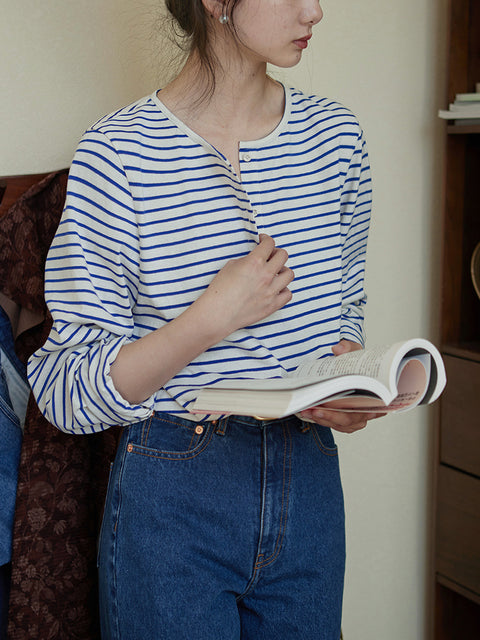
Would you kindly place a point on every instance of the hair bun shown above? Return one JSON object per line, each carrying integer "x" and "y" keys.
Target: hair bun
{"x": 182, "y": 11}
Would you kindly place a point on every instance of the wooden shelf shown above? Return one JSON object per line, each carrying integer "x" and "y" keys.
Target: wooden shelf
{"x": 454, "y": 586}
{"x": 458, "y": 530}
{"x": 467, "y": 350}
{"x": 463, "y": 128}
{"x": 457, "y": 470}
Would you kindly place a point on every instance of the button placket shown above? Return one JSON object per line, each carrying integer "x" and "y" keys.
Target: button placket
{"x": 255, "y": 210}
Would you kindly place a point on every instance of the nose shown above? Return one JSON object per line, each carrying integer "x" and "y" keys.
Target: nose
{"x": 313, "y": 13}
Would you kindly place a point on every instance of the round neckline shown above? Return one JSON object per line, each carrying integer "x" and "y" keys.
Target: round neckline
{"x": 242, "y": 143}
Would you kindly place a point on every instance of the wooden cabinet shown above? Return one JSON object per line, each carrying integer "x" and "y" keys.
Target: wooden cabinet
{"x": 460, "y": 420}
{"x": 457, "y": 534}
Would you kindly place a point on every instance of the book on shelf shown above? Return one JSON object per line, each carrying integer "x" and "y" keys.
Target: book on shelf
{"x": 460, "y": 114}
{"x": 465, "y": 107}
{"x": 385, "y": 379}
{"x": 464, "y": 122}
{"x": 468, "y": 97}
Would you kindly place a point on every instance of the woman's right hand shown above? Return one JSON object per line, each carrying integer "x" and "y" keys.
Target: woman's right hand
{"x": 245, "y": 291}
{"x": 251, "y": 288}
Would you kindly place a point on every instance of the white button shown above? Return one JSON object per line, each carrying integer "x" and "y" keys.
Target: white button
{"x": 247, "y": 157}
{"x": 255, "y": 213}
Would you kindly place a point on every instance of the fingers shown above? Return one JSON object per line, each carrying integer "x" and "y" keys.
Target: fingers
{"x": 344, "y": 346}
{"x": 342, "y": 421}
{"x": 267, "y": 252}
{"x": 275, "y": 259}
{"x": 283, "y": 279}
{"x": 265, "y": 247}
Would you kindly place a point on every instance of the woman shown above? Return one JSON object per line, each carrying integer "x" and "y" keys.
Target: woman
{"x": 168, "y": 272}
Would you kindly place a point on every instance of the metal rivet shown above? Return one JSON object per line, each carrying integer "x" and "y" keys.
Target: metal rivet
{"x": 199, "y": 430}
{"x": 130, "y": 448}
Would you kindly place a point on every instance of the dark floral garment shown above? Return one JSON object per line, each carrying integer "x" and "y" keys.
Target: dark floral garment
{"x": 62, "y": 478}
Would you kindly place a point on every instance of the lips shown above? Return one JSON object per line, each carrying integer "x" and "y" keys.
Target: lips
{"x": 302, "y": 43}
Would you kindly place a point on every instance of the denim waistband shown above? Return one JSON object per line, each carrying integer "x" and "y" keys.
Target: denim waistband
{"x": 258, "y": 422}
{"x": 221, "y": 424}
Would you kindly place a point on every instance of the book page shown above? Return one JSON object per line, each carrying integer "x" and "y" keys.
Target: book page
{"x": 412, "y": 383}
{"x": 367, "y": 363}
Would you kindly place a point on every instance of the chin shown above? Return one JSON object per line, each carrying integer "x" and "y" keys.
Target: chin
{"x": 287, "y": 61}
{"x": 287, "y": 64}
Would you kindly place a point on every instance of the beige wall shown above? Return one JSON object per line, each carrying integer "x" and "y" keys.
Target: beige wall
{"x": 385, "y": 60}
{"x": 64, "y": 64}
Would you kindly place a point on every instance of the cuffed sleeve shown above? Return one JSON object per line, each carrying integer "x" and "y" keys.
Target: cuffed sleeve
{"x": 356, "y": 202}
{"x": 91, "y": 282}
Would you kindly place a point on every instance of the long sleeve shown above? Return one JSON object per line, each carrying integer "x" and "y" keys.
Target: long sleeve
{"x": 91, "y": 280}
{"x": 355, "y": 208}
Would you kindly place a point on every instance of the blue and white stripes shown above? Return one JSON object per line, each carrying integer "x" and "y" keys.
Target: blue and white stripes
{"x": 153, "y": 212}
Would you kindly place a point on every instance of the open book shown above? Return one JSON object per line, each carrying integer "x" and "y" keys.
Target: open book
{"x": 384, "y": 379}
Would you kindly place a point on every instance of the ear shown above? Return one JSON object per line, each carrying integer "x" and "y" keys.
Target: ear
{"x": 215, "y": 8}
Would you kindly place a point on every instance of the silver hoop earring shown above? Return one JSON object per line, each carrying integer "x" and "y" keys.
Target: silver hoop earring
{"x": 223, "y": 19}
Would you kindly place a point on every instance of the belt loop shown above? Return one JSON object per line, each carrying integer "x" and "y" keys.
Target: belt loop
{"x": 146, "y": 429}
{"x": 304, "y": 426}
{"x": 221, "y": 426}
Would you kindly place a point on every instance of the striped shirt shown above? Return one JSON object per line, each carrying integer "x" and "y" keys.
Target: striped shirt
{"x": 153, "y": 212}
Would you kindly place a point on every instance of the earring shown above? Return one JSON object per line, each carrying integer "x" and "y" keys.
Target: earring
{"x": 223, "y": 19}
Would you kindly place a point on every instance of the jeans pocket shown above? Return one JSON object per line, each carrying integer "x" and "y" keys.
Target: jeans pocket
{"x": 171, "y": 438}
{"x": 324, "y": 439}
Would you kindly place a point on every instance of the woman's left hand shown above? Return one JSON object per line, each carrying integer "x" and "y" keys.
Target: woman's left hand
{"x": 346, "y": 422}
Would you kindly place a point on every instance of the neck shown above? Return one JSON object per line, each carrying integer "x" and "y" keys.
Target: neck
{"x": 236, "y": 91}
{"x": 245, "y": 104}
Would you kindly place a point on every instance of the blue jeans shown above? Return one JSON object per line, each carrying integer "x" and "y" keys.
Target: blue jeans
{"x": 14, "y": 392}
{"x": 223, "y": 530}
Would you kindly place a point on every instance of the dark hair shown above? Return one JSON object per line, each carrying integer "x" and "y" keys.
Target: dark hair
{"x": 193, "y": 20}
